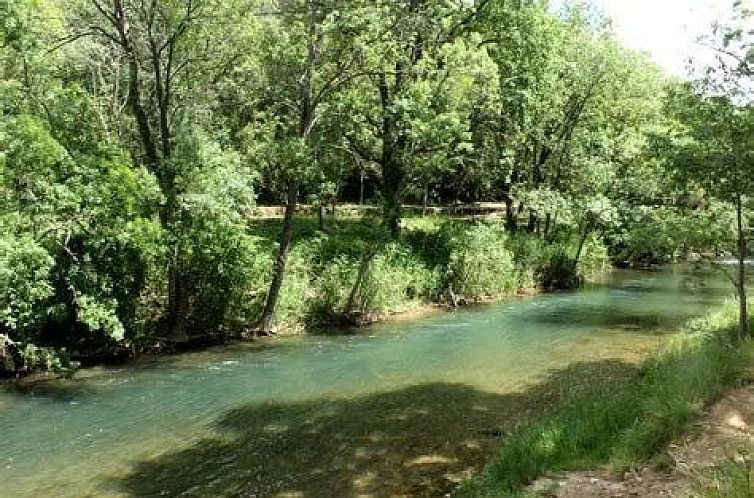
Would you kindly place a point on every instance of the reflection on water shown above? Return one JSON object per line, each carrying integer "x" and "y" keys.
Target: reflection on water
{"x": 407, "y": 406}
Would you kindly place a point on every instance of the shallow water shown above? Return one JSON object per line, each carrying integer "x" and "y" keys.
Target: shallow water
{"x": 399, "y": 407}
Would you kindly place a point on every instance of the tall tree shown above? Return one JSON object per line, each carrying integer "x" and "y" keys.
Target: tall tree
{"x": 718, "y": 113}
{"x": 308, "y": 57}
{"x": 715, "y": 150}
{"x": 171, "y": 52}
{"x": 407, "y": 108}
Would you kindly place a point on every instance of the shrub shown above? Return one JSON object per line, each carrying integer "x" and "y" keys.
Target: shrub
{"x": 528, "y": 254}
{"x": 396, "y": 279}
{"x": 74, "y": 248}
{"x": 24, "y": 285}
{"x": 333, "y": 286}
{"x": 558, "y": 270}
{"x": 480, "y": 265}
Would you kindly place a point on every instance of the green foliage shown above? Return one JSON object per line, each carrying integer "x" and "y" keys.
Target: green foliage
{"x": 38, "y": 359}
{"x": 662, "y": 235}
{"x": 476, "y": 260}
{"x": 558, "y": 269}
{"x": 333, "y": 286}
{"x": 24, "y": 281}
{"x": 396, "y": 278}
{"x": 127, "y": 190}
{"x": 77, "y": 244}
{"x": 216, "y": 251}
{"x": 595, "y": 259}
{"x": 480, "y": 265}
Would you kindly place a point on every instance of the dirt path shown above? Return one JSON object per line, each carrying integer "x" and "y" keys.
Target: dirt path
{"x": 727, "y": 427}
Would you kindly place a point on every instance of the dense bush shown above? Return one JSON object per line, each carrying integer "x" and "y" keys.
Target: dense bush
{"x": 218, "y": 256}
{"x": 396, "y": 278}
{"x": 24, "y": 285}
{"x": 480, "y": 264}
{"x": 661, "y": 235}
{"x": 474, "y": 260}
{"x": 110, "y": 281}
{"x": 77, "y": 240}
{"x": 558, "y": 269}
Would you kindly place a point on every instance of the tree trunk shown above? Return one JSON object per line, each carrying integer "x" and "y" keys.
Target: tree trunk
{"x": 361, "y": 188}
{"x": 321, "y": 217}
{"x": 392, "y": 183}
{"x": 266, "y": 321}
{"x": 366, "y": 259}
{"x": 548, "y": 221}
{"x": 532, "y": 226}
{"x": 743, "y": 315}
{"x": 580, "y": 249}
{"x": 551, "y": 232}
{"x": 510, "y": 215}
{"x": 178, "y": 304}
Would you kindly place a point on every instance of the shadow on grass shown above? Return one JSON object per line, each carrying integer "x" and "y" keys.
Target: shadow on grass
{"x": 418, "y": 441}
{"x": 306, "y": 228}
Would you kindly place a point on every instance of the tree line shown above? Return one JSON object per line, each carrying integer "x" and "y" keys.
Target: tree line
{"x": 136, "y": 137}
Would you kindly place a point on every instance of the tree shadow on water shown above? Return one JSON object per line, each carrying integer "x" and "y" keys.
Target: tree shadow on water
{"x": 633, "y": 320}
{"x": 416, "y": 441}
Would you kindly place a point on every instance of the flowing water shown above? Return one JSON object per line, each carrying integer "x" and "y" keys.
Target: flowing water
{"x": 402, "y": 408}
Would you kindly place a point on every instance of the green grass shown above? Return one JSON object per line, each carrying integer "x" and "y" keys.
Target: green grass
{"x": 626, "y": 423}
{"x": 735, "y": 479}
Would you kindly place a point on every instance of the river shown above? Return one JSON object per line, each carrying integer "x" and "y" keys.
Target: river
{"x": 405, "y": 408}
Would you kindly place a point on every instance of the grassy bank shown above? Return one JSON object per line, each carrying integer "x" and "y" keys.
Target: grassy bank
{"x": 436, "y": 260}
{"x": 344, "y": 274}
{"x": 626, "y": 423}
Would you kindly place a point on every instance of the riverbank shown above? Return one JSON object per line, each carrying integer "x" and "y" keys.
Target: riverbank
{"x": 409, "y": 408}
{"x": 343, "y": 277}
{"x": 623, "y": 430}
{"x": 713, "y": 460}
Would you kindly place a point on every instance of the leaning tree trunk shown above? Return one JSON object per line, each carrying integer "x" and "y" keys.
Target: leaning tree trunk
{"x": 266, "y": 321}
{"x": 582, "y": 242}
{"x": 743, "y": 315}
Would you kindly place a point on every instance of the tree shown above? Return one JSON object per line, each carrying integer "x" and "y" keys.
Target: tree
{"x": 172, "y": 55}
{"x": 308, "y": 57}
{"x": 716, "y": 151}
{"x": 717, "y": 141}
{"x": 417, "y": 95}
{"x": 76, "y": 231}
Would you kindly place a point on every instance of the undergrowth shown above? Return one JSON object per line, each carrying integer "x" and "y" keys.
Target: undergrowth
{"x": 434, "y": 260}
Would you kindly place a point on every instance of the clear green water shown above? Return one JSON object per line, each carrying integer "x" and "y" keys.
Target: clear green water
{"x": 403, "y": 408}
